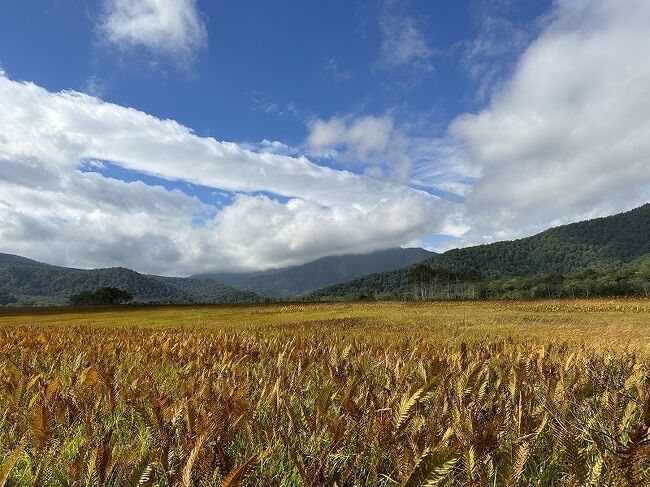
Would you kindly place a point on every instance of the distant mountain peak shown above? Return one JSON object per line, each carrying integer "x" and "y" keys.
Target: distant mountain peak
{"x": 296, "y": 280}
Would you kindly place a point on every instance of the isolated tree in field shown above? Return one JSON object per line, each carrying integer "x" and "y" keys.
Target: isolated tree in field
{"x": 106, "y": 296}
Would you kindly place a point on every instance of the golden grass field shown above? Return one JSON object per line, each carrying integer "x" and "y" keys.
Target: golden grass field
{"x": 384, "y": 393}
{"x": 616, "y": 324}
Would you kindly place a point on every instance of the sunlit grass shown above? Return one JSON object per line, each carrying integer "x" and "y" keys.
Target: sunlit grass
{"x": 599, "y": 323}
{"x": 475, "y": 393}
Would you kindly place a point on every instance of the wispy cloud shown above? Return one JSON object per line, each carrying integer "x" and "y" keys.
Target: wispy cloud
{"x": 491, "y": 56}
{"x": 339, "y": 75}
{"x": 403, "y": 44}
{"x": 260, "y": 102}
{"x": 387, "y": 150}
{"x": 95, "y": 86}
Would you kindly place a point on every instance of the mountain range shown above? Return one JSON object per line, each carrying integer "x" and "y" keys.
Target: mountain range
{"x": 296, "y": 280}
{"x": 27, "y": 282}
{"x": 604, "y": 256}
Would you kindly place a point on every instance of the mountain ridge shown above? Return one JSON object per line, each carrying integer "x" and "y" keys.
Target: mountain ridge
{"x": 295, "y": 280}
{"x": 25, "y": 281}
{"x": 603, "y": 242}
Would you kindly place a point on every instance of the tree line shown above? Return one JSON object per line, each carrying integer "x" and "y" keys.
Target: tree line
{"x": 426, "y": 282}
{"x": 435, "y": 283}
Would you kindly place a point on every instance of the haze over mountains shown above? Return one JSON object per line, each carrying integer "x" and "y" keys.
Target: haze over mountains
{"x": 608, "y": 255}
{"x": 295, "y": 280}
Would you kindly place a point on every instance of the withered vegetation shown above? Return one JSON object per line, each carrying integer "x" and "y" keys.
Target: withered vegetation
{"x": 315, "y": 404}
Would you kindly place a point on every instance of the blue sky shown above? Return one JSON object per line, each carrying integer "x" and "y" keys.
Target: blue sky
{"x": 186, "y": 127}
{"x": 266, "y": 68}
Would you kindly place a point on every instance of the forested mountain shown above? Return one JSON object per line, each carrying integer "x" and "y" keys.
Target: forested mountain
{"x": 28, "y": 282}
{"x": 608, "y": 255}
{"x": 282, "y": 283}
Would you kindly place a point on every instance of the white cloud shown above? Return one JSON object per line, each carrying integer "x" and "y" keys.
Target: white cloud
{"x": 402, "y": 42}
{"x": 272, "y": 147}
{"x": 51, "y": 210}
{"x": 386, "y": 151}
{"x": 364, "y": 135}
{"x": 568, "y": 136}
{"x": 170, "y": 27}
{"x": 371, "y": 141}
{"x": 274, "y": 107}
{"x": 300, "y": 230}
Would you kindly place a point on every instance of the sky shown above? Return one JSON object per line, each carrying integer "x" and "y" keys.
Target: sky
{"x": 186, "y": 136}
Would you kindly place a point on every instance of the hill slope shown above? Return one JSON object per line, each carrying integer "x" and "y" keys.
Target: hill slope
{"x": 28, "y": 282}
{"x": 296, "y": 280}
{"x": 603, "y": 245}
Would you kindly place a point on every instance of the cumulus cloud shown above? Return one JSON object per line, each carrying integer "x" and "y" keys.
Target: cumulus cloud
{"x": 371, "y": 141}
{"x": 56, "y": 205}
{"x": 568, "y": 136}
{"x": 301, "y": 230}
{"x": 402, "y": 41}
{"x": 170, "y": 27}
{"x": 364, "y": 135}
